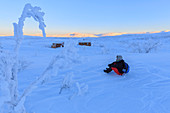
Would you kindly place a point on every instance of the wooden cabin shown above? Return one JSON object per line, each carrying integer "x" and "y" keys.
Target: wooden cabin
{"x": 85, "y": 43}
{"x": 57, "y": 45}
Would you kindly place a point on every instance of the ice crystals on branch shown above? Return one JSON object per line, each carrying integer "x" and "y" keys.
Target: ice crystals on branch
{"x": 29, "y": 11}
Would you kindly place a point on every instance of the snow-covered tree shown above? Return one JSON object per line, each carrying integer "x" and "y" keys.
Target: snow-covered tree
{"x": 11, "y": 102}
{"x": 28, "y": 12}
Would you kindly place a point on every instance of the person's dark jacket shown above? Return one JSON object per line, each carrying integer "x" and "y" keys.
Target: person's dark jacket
{"x": 120, "y": 65}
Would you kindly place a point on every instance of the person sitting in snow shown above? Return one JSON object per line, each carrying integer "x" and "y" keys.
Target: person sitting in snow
{"x": 119, "y": 66}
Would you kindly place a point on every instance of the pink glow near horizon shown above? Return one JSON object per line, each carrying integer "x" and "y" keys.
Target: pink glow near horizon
{"x": 86, "y": 34}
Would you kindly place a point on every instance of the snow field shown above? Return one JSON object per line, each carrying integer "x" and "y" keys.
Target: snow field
{"x": 77, "y": 83}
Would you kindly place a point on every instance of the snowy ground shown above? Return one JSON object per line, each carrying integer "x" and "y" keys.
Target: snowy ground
{"x": 77, "y": 84}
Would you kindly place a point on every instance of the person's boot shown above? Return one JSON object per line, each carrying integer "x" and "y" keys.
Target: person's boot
{"x": 107, "y": 70}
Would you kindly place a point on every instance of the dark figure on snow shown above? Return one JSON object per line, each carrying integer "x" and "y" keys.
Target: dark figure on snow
{"x": 119, "y": 66}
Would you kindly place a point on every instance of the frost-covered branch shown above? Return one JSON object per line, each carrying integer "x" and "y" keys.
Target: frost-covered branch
{"x": 145, "y": 46}
{"x": 10, "y": 64}
{"x": 28, "y": 12}
{"x": 40, "y": 79}
{"x": 67, "y": 82}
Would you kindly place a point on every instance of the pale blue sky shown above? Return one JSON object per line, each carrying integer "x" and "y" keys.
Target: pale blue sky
{"x": 89, "y": 16}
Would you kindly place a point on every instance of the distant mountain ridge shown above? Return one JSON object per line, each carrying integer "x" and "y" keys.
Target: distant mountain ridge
{"x": 76, "y": 34}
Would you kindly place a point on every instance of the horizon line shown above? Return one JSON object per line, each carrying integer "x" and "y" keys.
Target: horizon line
{"x": 77, "y": 34}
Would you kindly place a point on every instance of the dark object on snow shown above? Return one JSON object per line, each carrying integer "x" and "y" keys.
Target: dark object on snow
{"x": 119, "y": 66}
{"x": 85, "y": 43}
{"x": 56, "y": 45}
